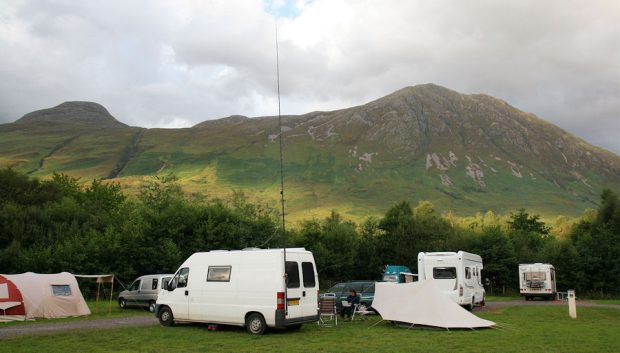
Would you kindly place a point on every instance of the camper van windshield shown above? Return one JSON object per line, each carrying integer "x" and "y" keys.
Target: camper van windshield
{"x": 535, "y": 276}
{"x": 444, "y": 272}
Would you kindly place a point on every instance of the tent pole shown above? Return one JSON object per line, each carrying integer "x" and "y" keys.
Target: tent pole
{"x": 97, "y": 300}
{"x": 111, "y": 292}
{"x": 376, "y": 323}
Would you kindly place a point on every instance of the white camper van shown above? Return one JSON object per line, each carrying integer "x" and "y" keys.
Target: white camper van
{"x": 457, "y": 274}
{"x": 537, "y": 280}
{"x": 243, "y": 287}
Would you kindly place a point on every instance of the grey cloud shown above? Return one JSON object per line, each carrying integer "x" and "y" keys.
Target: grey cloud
{"x": 162, "y": 63}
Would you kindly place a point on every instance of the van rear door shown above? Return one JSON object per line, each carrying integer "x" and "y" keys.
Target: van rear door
{"x": 309, "y": 296}
{"x": 294, "y": 286}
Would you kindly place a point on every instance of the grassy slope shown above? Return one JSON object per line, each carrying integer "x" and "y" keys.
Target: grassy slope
{"x": 521, "y": 329}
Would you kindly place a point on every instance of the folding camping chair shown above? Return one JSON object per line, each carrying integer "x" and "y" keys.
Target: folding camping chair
{"x": 360, "y": 311}
{"x": 328, "y": 315}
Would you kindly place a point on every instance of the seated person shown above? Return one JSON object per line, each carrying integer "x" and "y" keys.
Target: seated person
{"x": 352, "y": 299}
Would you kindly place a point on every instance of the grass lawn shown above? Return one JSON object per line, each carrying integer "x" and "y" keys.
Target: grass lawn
{"x": 493, "y": 298}
{"x": 520, "y": 329}
{"x": 97, "y": 312}
{"x": 604, "y": 301}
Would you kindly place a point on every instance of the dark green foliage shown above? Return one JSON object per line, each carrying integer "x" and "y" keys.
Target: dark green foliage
{"x": 62, "y": 225}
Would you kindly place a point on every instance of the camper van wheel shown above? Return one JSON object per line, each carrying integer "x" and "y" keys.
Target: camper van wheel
{"x": 152, "y": 306}
{"x": 165, "y": 316}
{"x": 255, "y": 324}
{"x": 122, "y": 303}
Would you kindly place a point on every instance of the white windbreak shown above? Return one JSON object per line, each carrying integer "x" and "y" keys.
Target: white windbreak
{"x": 422, "y": 303}
{"x": 40, "y": 299}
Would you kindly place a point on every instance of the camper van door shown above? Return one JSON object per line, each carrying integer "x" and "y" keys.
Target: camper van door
{"x": 310, "y": 283}
{"x": 177, "y": 296}
{"x": 294, "y": 287}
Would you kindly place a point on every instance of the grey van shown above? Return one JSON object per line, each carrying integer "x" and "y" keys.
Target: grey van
{"x": 143, "y": 291}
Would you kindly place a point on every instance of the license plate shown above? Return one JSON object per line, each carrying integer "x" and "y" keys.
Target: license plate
{"x": 294, "y": 301}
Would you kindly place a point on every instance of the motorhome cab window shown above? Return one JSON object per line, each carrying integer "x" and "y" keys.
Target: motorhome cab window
{"x": 292, "y": 273}
{"x": 154, "y": 285}
{"x": 180, "y": 279}
{"x": 218, "y": 274}
{"x": 61, "y": 290}
{"x": 467, "y": 272}
{"x": 444, "y": 272}
{"x": 307, "y": 270}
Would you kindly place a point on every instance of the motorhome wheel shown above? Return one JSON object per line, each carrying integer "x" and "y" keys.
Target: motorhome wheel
{"x": 165, "y": 317}
{"x": 255, "y": 324}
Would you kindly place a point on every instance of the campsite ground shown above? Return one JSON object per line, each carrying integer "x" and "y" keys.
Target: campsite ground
{"x": 521, "y": 328}
{"x": 98, "y": 311}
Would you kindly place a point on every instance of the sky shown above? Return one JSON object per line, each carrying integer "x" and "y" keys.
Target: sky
{"x": 161, "y": 63}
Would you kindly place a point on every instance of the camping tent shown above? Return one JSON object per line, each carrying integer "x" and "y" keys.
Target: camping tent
{"x": 32, "y": 295}
{"x": 422, "y": 303}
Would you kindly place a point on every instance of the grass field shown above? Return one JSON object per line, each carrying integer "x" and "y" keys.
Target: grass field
{"x": 605, "y": 301}
{"x": 520, "y": 329}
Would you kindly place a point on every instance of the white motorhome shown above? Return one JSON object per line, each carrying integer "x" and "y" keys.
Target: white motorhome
{"x": 537, "y": 280}
{"x": 457, "y": 274}
{"x": 243, "y": 287}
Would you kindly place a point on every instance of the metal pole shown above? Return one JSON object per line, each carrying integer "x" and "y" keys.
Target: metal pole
{"x": 281, "y": 170}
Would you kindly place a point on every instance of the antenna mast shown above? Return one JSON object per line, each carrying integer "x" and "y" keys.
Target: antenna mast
{"x": 281, "y": 172}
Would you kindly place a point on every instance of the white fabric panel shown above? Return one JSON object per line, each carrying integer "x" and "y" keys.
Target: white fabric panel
{"x": 4, "y": 291}
{"x": 422, "y": 303}
{"x": 8, "y": 305}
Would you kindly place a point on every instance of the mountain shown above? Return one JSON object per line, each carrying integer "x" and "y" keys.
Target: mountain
{"x": 465, "y": 153}
{"x": 88, "y": 114}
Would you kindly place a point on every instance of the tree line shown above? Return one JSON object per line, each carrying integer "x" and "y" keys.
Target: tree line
{"x": 61, "y": 224}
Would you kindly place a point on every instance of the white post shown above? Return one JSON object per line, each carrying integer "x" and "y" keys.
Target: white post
{"x": 572, "y": 306}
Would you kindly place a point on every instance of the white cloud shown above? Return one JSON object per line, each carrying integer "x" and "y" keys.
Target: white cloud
{"x": 163, "y": 63}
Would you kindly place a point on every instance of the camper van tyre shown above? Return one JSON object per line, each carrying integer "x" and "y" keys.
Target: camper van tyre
{"x": 255, "y": 324}
{"x": 122, "y": 303}
{"x": 165, "y": 316}
{"x": 152, "y": 306}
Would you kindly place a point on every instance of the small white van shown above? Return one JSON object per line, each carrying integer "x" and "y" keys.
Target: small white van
{"x": 251, "y": 287}
{"x": 457, "y": 274}
{"x": 537, "y": 280}
{"x": 143, "y": 291}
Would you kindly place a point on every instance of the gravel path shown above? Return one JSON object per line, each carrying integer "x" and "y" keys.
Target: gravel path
{"x": 51, "y": 328}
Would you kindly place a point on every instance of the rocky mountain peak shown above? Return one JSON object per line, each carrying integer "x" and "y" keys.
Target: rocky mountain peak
{"x": 76, "y": 112}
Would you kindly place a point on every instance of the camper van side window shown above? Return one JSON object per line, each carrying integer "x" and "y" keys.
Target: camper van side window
{"x": 292, "y": 273}
{"x": 307, "y": 270}
{"x": 61, "y": 290}
{"x": 467, "y": 272}
{"x": 218, "y": 274}
{"x": 154, "y": 285}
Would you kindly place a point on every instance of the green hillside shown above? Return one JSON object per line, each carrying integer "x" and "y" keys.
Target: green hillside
{"x": 465, "y": 153}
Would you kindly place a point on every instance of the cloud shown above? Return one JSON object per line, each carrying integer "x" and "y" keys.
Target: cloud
{"x": 162, "y": 63}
